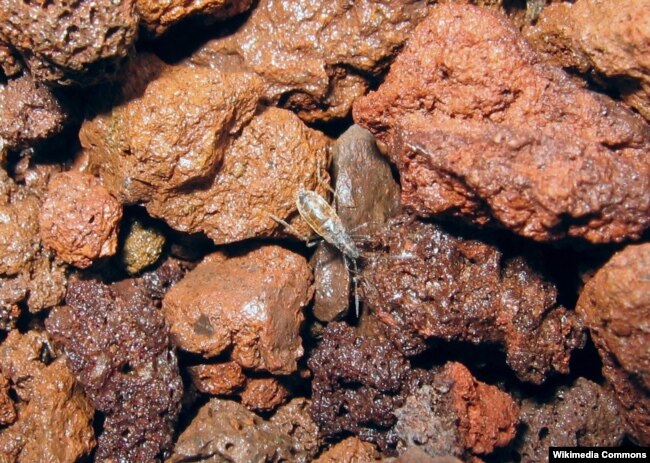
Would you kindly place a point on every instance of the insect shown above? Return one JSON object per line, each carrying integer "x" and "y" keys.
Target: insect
{"x": 324, "y": 221}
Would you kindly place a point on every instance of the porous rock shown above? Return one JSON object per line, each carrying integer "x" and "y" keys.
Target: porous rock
{"x": 9, "y": 62}
{"x": 358, "y": 382}
{"x": 30, "y": 113}
{"x": 615, "y": 305}
{"x": 51, "y": 409}
{"x": 350, "y": 450}
{"x": 456, "y": 415}
{"x": 142, "y": 246}
{"x": 605, "y": 40}
{"x": 583, "y": 415}
{"x": 157, "y": 17}
{"x": 29, "y": 274}
{"x": 7, "y": 407}
{"x": 169, "y": 128}
{"x": 363, "y": 207}
{"x": 315, "y": 58}
{"x": 263, "y": 394}
{"x": 127, "y": 368}
{"x": 426, "y": 280}
{"x": 69, "y": 42}
{"x": 293, "y": 419}
{"x": 484, "y": 130}
{"x": 223, "y": 378}
{"x": 226, "y": 431}
{"x": 79, "y": 219}
{"x": 251, "y": 303}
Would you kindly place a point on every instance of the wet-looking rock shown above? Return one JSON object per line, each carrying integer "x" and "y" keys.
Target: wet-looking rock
{"x": 251, "y": 303}
{"x": 80, "y": 219}
{"x": 615, "y": 305}
{"x": 126, "y": 366}
{"x": 482, "y": 129}
{"x": 423, "y": 278}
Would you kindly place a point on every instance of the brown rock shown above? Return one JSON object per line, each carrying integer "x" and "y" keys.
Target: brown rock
{"x": 426, "y": 280}
{"x": 615, "y": 305}
{"x": 7, "y": 408}
{"x": 225, "y": 431}
{"x": 606, "y": 39}
{"x": 170, "y": 129}
{"x": 263, "y": 170}
{"x": 350, "y": 450}
{"x": 9, "y": 63}
{"x": 79, "y": 219}
{"x": 315, "y": 57}
{"x": 263, "y": 394}
{"x": 29, "y": 113}
{"x": 363, "y": 208}
{"x": 480, "y": 128}
{"x": 293, "y": 420}
{"x": 53, "y": 411}
{"x": 63, "y": 43}
{"x": 127, "y": 367}
{"x": 217, "y": 378}
{"x": 251, "y": 303}
{"x": 28, "y": 273}
{"x": 583, "y": 415}
{"x": 358, "y": 382}
{"x": 142, "y": 246}
{"x": 157, "y": 17}
{"x": 456, "y": 415}
{"x": 416, "y": 455}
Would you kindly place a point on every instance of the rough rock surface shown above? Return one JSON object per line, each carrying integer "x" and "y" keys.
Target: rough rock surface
{"x": 29, "y": 113}
{"x": 79, "y": 220}
{"x": 275, "y": 157}
{"x": 69, "y": 42}
{"x": 7, "y": 407}
{"x": 609, "y": 40}
{"x": 315, "y": 57}
{"x": 363, "y": 208}
{"x": 170, "y": 127}
{"x": 251, "y": 303}
{"x": 263, "y": 394}
{"x": 358, "y": 382}
{"x": 226, "y": 431}
{"x": 217, "y": 378}
{"x": 127, "y": 367}
{"x": 294, "y": 420}
{"x": 481, "y": 128}
{"x": 456, "y": 415}
{"x": 51, "y": 410}
{"x": 143, "y": 244}
{"x": 157, "y": 17}
{"x": 28, "y": 273}
{"x": 615, "y": 305}
{"x": 584, "y": 414}
{"x": 424, "y": 279}
{"x": 9, "y": 63}
{"x": 350, "y": 450}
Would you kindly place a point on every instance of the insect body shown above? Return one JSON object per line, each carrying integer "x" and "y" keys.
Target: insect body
{"x": 322, "y": 218}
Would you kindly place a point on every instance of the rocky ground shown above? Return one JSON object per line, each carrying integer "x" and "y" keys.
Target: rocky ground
{"x": 490, "y": 160}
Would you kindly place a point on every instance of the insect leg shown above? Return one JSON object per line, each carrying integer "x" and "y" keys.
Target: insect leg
{"x": 293, "y": 231}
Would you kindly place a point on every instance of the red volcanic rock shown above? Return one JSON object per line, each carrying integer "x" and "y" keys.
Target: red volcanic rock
{"x": 263, "y": 394}
{"x": 217, "y": 378}
{"x": 80, "y": 219}
{"x": 482, "y": 129}
{"x": 251, "y": 303}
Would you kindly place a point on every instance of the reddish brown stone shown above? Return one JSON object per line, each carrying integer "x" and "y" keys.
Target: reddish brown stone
{"x": 263, "y": 394}
{"x": 606, "y": 40}
{"x": 7, "y": 407}
{"x": 157, "y": 17}
{"x": 217, "y": 378}
{"x": 29, "y": 113}
{"x": 251, "y": 303}
{"x": 350, "y": 450}
{"x": 615, "y": 305}
{"x": 315, "y": 57}
{"x": 55, "y": 419}
{"x": 293, "y": 419}
{"x": 9, "y": 63}
{"x": 425, "y": 280}
{"x": 69, "y": 42}
{"x": 79, "y": 219}
{"x": 481, "y": 129}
